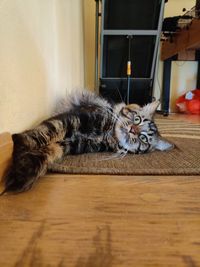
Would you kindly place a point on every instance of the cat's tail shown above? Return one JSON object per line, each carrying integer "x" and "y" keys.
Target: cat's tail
{"x": 28, "y": 165}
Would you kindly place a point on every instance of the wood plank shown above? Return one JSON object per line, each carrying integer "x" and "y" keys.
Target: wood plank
{"x": 193, "y": 118}
{"x": 73, "y": 220}
{"x": 186, "y": 55}
{"x": 183, "y": 40}
{"x": 6, "y": 148}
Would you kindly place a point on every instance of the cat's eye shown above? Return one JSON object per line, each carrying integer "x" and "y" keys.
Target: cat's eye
{"x": 143, "y": 138}
{"x": 137, "y": 120}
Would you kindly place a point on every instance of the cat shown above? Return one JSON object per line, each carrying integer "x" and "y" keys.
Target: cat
{"x": 88, "y": 124}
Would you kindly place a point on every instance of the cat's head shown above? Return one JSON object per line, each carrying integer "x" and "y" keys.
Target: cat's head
{"x": 136, "y": 131}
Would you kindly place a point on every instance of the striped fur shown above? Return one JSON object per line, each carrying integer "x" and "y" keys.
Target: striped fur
{"x": 88, "y": 124}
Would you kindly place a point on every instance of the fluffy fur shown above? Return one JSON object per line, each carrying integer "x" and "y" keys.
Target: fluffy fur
{"x": 88, "y": 124}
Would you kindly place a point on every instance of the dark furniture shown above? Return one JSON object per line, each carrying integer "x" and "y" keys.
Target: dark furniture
{"x": 130, "y": 33}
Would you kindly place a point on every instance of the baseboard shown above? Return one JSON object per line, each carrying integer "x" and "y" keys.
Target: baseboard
{"x": 6, "y": 149}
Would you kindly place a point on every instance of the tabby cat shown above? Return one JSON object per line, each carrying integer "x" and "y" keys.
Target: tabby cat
{"x": 89, "y": 124}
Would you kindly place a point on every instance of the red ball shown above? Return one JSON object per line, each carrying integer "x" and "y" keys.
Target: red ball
{"x": 193, "y": 106}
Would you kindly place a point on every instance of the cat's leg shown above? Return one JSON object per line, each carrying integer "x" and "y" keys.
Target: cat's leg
{"x": 28, "y": 166}
{"x": 47, "y": 132}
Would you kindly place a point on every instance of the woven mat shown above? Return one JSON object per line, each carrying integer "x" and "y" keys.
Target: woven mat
{"x": 184, "y": 160}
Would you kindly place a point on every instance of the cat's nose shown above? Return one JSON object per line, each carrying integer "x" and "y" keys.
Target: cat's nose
{"x": 134, "y": 129}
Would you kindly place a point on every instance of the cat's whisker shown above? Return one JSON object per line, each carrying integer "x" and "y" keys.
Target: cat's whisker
{"x": 115, "y": 156}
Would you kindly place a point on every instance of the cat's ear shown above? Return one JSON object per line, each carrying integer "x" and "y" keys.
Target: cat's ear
{"x": 164, "y": 145}
{"x": 133, "y": 106}
{"x": 150, "y": 108}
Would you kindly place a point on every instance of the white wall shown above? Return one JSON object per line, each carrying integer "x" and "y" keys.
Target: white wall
{"x": 41, "y": 58}
{"x": 175, "y": 7}
{"x": 183, "y": 74}
{"x": 89, "y": 42}
{"x": 183, "y": 79}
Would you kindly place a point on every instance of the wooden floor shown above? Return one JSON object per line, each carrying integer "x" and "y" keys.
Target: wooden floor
{"x": 103, "y": 221}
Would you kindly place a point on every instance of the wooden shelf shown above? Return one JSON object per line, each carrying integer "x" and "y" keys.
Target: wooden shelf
{"x": 6, "y": 148}
{"x": 186, "y": 39}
